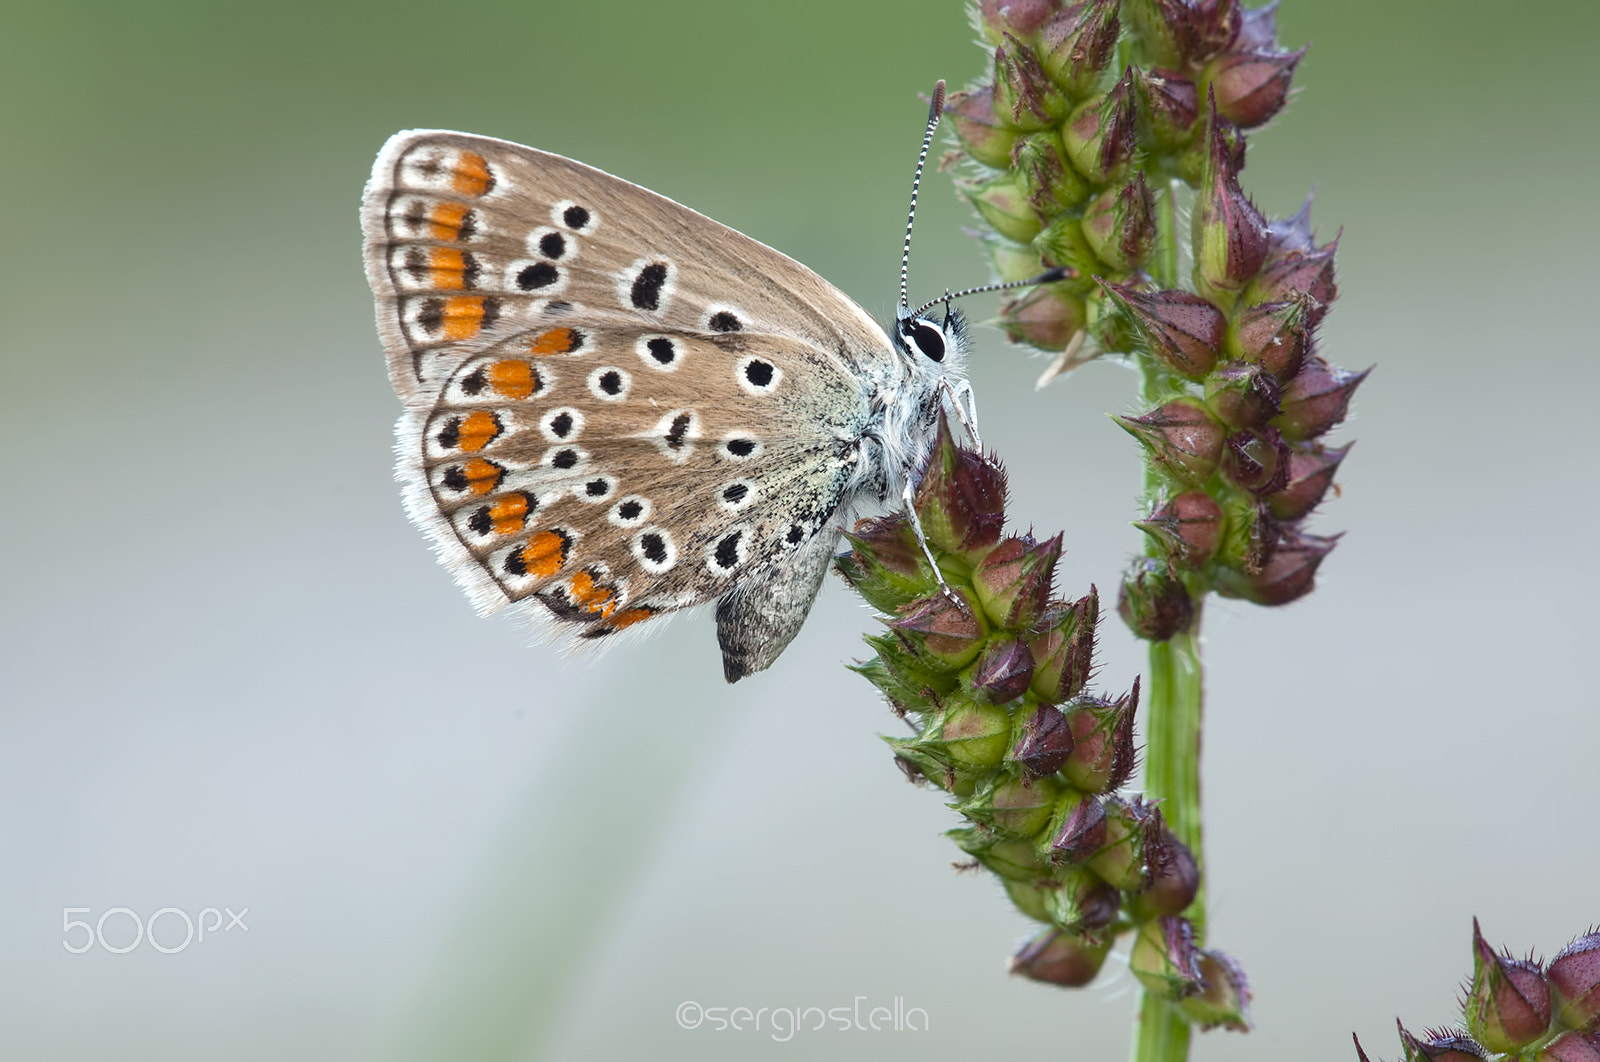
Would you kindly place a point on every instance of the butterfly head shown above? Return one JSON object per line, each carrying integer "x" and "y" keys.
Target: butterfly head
{"x": 931, "y": 343}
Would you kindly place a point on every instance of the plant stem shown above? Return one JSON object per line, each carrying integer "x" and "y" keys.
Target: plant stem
{"x": 1172, "y": 743}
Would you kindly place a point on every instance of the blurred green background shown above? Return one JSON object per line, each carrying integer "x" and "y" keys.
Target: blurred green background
{"x": 228, "y": 664}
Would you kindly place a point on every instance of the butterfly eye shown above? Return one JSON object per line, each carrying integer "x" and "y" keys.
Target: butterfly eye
{"x": 926, "y": 337}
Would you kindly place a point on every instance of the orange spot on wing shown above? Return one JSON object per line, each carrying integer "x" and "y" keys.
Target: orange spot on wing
{"x": 471, "y": 175}
{"x": 509, "y": 514}
{"x": 544, "y": 554}
{"x": 444, "y": 220}
{"x": 628, "y": 617}
{"x": 555, "y": 341}
{"x": 591, "y": 597}
{"x": 478, "y": 430}
{"x": 462, "y": 316}
{"x": 447, "y": 270}
{"x": 482, "y": 476}
{"x": 513, "y": 379}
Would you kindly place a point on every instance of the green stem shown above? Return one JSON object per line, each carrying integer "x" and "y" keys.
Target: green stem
{"x": 1175, "y": 701}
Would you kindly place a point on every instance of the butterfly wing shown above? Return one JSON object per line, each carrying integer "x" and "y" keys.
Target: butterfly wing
{"x": 615, "y": 407}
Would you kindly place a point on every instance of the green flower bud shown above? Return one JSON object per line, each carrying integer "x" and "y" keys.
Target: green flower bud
{"x": 941, "y": 632}
{"x": 1120, "y": 225}
{"x": 1046, "y": 317}
{"x": 1077, "y": 43}
{"x": 1229, "y": 234}
{"x": 1063, "y": 655}
{"x": 1024, "y": 95}
{"x": 1274, "y": 335}
{"x": 1242, "y": 395}
{"x": 1101, "y": 135}
{"x": 1003, "y": 203}
{"x": 1164, "y": 958}
{"x": 1012, "y": 860}
{"x": 1050, "y": 184}
{"x": 1169, "y": 105}
{"x": 982, "y": 132}
{"x": 1012, "y": 581}
{"x": 1132, "y": 829}
{"x": 887, "y": 566}
{"x": 961, "y": 498}
{"x": 1102, "y": 754}
{"x": 976, "y": 735}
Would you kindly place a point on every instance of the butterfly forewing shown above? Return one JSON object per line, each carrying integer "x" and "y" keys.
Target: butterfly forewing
{"x": 615, "y": 406}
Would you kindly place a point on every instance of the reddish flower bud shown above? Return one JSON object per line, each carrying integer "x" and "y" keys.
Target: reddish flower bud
{"x": 1018, "y": 807}
{"x": 1298, "y": 274}
{"x": 1164, "y": 958}
{"x": 1024, "y": 95}
{"x": 1174, "y": 878}
{"x": 1252, "y": 86}
{"x": 1571, "y": 1047}
{"x": 1317, "y": 399}
{"x": 1274, "y": 335}
{"x": 1154, "y": 603}
{"x": 1229, "y": 234}
{"x": 1063, "y": 654}
{"x": 1181, "y": 437}
{"x": 1101, "y": 136}
{"x": 1061, "y": 958}
{"x": 1184, "y": 331}
{"x": 1051, "y": 185}
{"x": 1170, "y": 104}
{"x": 1132, "y": 829}
{"x": 1508, "y": 1001}
{"x": 941, "y": 632}
{"x": 1078, "y": 829}
{"x": 1078, "y": 900}
{"x": 981, "y": 132}
{"x": 1440, "y": 1045}
{"x": 1574, "y": 976}
{"x": 1003, "y": 202}
{"x": 887, "y": 567}
{"x": 961, "y": 498}
{"x": 1046, "y": 742}
{"x": 1013, "y": 580}
{"x": 1077, "y": 43}
{"x": 1004, "y": 670}
{"x": 1021, "y": 18}
{"x": 1289, "y": 573}
{"x": 1046, "y": 317}
{"x": 1224, "y": 995}
{"x": 1189, "y": 527}
{"x": 1311, "y": 473}
{"x": 1120, "y": 225}
{"x": 975, "y": 735}
{"x": 1102, "y": 754}
{"x": 1242, "y": 395}
{"x": 1257, "y": 459}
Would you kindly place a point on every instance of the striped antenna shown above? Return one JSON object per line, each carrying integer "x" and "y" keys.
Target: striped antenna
{"x": 935, "y": 110}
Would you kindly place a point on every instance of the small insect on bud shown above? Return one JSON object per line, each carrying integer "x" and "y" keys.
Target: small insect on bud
{"x": 1252, "y": 86}
{"x": 961, "y": 498}
{"x": 982, "y": 132}
{"x": 1574, "y": 976}
{"x": 1154, "y": 603}
{"x": 1064, "y": 958}
{"x": 1508, "y": 1001}
{"x": 1185, "y": 331}
{"x": 1024, "y": 95}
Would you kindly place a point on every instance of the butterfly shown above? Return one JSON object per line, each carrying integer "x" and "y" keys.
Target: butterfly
{"x": 616, "y": 408}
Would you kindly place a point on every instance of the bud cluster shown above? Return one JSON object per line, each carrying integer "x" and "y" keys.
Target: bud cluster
{"x": 1520, "y": 1009}
{"x": 1075, "y": 161}
{"x": 992, "y": 672}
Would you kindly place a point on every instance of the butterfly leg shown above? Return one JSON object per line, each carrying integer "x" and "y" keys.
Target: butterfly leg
{"x": 927, "y": 550}
{"x": 965, "y": 406}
